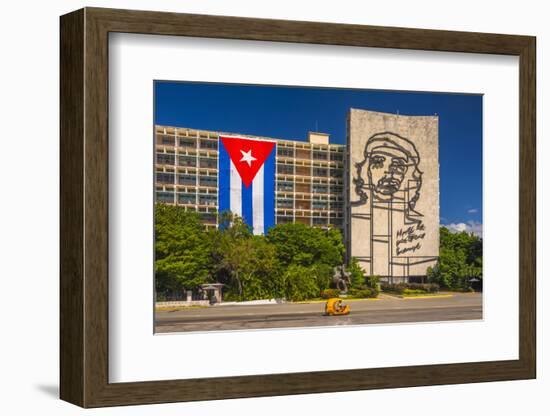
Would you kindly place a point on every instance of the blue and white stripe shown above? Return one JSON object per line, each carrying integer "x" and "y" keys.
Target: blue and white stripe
{"x": 255, "y": 204}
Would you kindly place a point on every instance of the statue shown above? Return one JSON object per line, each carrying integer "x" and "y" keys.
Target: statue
{"x": 341, "y": 279}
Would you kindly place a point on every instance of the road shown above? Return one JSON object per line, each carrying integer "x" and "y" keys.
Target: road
{"x": 387, "y": 309}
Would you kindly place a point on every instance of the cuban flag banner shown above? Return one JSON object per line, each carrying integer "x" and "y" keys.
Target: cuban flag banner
{"x": 247, "y": 180}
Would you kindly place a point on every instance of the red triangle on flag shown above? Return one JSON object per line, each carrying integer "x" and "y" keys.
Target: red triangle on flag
{"x": 248, "y": 155}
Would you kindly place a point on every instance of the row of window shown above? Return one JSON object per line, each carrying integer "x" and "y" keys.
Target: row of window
{"x": 189, "y": 161}
{"x": 317, "y": 205}
{"x": 212, "y": 163}
{"x": 315, "y": 221}
{"x": 336, "y": 153}
{"x": 317, "y": 197}
{"x": 305, "y": 154}
{"x": 184, "y": 179}
{"x": 212, "y": 181}
{"x": 307, "y": 171}
{"x": 185, "y": 198}
{"x": 187, "y": 142}
{"x": 307, "y": 188}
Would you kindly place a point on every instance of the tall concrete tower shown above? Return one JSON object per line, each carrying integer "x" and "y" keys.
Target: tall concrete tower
{"x": 392, "y": 191}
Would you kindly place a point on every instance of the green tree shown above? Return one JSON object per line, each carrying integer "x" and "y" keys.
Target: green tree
{"x": 304, "y": 245}
{"x": 246, "y": 263}
{"x": 357, "y": 275}
{"x": 322, "y": 273}
{"x": 299, "y": 283}
{"x": 295, "y": 261}
{"x": 182, "y": 249}
{"x": 460, "y": 259}
{"x": 307, "y": 255}
{"x": 231, "y": 247}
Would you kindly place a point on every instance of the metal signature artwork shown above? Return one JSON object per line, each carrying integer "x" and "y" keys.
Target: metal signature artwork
{"x": 388, "y": 179}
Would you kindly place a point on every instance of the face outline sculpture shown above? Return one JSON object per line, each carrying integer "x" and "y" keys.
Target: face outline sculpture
{"x": 390, "y": 164}
{"x": 386, "y": 171}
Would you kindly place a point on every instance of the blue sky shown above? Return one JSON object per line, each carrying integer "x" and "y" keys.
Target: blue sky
{"x": 291, "y": 112}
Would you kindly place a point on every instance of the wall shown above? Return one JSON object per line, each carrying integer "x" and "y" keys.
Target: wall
{"x": 29, "y": 217}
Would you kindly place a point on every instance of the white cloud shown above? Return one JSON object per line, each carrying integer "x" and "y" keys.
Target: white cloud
{"x": 470, "y": 227}
{"x": 472, "y": 211}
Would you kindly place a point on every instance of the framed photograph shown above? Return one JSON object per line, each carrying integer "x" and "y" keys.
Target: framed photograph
{"x": 256, "y": 207}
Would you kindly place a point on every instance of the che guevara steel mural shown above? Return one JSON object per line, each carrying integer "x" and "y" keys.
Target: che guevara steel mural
{"x": 386, "y": 191}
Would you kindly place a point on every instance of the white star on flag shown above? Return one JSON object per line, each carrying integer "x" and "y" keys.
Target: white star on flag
{"x": 247, "y": 157}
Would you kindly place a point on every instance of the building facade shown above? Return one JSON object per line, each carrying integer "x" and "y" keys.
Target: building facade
{"x": 381, "y": 189}
{"x": 392, "y": 191}
{"x": 309, "y": 182}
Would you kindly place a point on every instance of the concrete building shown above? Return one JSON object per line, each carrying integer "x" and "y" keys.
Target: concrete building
{"x": 392, "y": 194}
{"x": 309, "y": 181}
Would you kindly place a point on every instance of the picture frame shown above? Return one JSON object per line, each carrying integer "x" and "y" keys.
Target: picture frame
{"x": 84, "y": 173}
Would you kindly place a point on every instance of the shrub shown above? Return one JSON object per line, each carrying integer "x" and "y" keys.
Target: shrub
{"x": 363, "y": 292}
{"x": 357, "y": 275}
{"x": 400, "y": 288}
{"x": 373, "y": 282}
{"x": 433, "y": 287}
{"x": 359, "y": 293}
{"x": 393, "y": 288}
{"x": 330, "y": 293}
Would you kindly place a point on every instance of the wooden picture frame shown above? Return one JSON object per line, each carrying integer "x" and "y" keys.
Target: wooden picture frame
{"x": 84, "y": 207}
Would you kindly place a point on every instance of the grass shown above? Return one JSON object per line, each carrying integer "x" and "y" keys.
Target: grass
{"x": 425, "y": 295}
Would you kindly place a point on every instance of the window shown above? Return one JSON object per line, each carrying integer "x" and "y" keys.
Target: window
{"x": 336, "y": 156}
{"x": 166, "y": 140}
{"x": 165, "y": 178}
{"x": 320, "y": 205}
{"x": 284, "y": 203}
{"x": 208, "y": 163}
{"x": 336, "y": 173}
{"x": 209, "y": 144}
{"x": 284, "y": 220}
{"x": 165, "y": 159}
{"x": 188, "y": 142}
{"x": 285, "y": 169}
{"x": 166, "y": 197}
{"x": 208, "y": 181}
{"x": 320, "y": 172}
{"x": 208, "y": 199}
{"x": 320, "y": 189}
{"x": 189, "y": 199}
{"x": 285, "y": 152}
{"x": 285, "y": 186}
{"x": 187, "y": 161}
{"x": 303, "y": 170}
{"x": 320, "y": 155}
{"x": 319, "y": 221}
{"x": 187, "y": 180}
{"x": 303, "y": 205}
